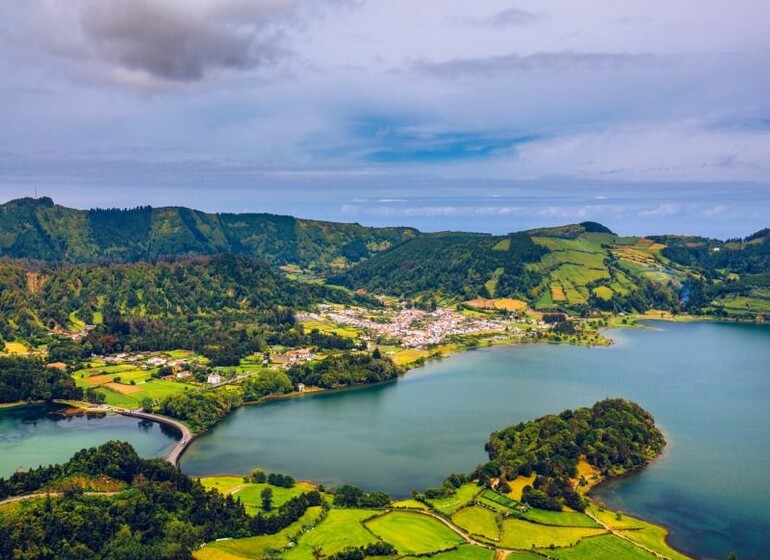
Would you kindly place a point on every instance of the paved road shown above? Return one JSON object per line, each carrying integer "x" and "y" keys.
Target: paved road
{"x": 181, "y": 445}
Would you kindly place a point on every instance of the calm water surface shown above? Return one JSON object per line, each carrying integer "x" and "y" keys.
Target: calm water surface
{"x": 36, "y": 435}
{"x": 708, "y": 386}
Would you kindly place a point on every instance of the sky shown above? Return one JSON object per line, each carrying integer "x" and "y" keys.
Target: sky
{"x": 647, "y": 116}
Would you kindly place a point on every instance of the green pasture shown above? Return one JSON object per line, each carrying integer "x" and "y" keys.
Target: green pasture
{"x": 250, "y": 496}
{"x": 225, "y": 484}
{"x": 409, "y": 504}
{"x": 478, "y": 520}
{"x": 414, "y": 533}
{"x": 462, "y": 496}
{"x": 559, "y": 518}
{"x": 341, "y": 528}
{"x": 654, "y": 537}
{"x": 256, "y": 548}
{"x": 468, "y": 552}
{"x": 521, "y": 534}
{"x": 606, "y": 547}
{"x": 328, "y": 328}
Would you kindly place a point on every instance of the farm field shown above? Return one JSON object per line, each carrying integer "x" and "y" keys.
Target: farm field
{"x": 251, "y": 495}
{"x": 414, "y": 533}
{"x": 462, "y": 496}
{"x": 525, "y": 535}
{"x": 467, "y": 552}
{"x": 477, "y": 520}
{"x": 653, "y": 537}
{"x": 256, "y": 548}
{"x": 559, "y": 518}
{"x": 330, "y": 328}
{"x": 341, "y": 528}
{"x": 506, "y": 304}
{"x": 411, "y": 504}
{"x": 606, "y": 547}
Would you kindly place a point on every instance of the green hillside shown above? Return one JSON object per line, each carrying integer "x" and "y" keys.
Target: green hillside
{"x": 163, "y": 299}
{"x": 577, "y": 267}
{"x": 582, "y": 265}
{"x": 41, "y": 230}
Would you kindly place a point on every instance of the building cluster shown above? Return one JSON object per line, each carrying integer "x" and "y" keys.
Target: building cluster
{"x": 414, "y": 328}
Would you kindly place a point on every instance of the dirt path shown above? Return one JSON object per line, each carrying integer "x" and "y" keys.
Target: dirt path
{"x": 43, "y": 495}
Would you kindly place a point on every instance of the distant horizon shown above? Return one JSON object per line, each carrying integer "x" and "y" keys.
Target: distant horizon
{"x": 444, "y": 114}
{"x": 546, "y": 223}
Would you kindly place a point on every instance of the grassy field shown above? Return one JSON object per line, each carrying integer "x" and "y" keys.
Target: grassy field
{"x": 341, "y": 528}
{"x": 525, "y": 535}
{"x": 607, "y": 547}
{"x": 506, "y": 304}
{"x": 414, "y": 533}
{"x": 560, "y": 518}
{"x": 654, "y": 537}
{"x": 465, "y": 552}
{"x": 225, "y": 484}
{"x": 517, "y": 486}
{"x": 255, "y": 548}
{"x": 477, "y": 520}
{"x": 412, "y": 504}
{"x": 251, "y": 495}
{"x": 405, "y": 357}
{"x": 329, "y": 328}
{"x": 76, "y": 322}
{"x": 609, "y": 518}
{"x": 15, "y": 348}
{"x": 463, "y": 495}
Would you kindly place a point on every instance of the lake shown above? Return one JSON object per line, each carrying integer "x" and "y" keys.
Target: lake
{"x": 707, "y": 384}
{"x": 37, "y": 435}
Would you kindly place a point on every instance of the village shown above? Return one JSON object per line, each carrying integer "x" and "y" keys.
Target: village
{"x": 411, "y": 327}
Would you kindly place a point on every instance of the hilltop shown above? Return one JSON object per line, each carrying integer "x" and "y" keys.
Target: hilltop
{"x": 41, "y": 230}
{"x": 575, "y": 268}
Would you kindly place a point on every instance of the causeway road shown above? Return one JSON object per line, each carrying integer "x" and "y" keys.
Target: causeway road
{"x": 181, "y": 445}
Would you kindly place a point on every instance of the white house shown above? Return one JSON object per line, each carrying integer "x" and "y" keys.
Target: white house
{"x": 301, "y": 387}
{"x": 214, "y": 378}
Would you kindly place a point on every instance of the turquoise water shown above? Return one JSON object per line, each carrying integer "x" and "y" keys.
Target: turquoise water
{"x": 35, "y": 435}
{"x": 708, "y": 386}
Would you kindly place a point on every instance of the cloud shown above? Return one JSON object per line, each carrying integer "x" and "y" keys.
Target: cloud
{"x": 162, "y": 44}
{"x": 512, "y": 16}
{"x": 562, "y": 61}
{"x": 180, "y": 41}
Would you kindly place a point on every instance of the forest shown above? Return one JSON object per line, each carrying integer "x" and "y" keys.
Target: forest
{"x": 162, "y": 514}
{"x": 615, "y": 436}
{"x": 23, "y": 379}
{"x": 38, "y": 229}
{"x": 344, "y": 370}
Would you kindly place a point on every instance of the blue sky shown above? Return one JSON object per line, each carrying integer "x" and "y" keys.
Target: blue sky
{"x": 492, "y": 116}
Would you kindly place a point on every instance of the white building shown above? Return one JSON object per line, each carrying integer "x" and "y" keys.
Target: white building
{"x": 214, "y": 378}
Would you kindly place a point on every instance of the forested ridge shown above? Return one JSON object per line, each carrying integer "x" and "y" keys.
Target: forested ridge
{"x": 41, "y": 230}
{"x": 38, "y": 297}
{"x": 579, "y": 267}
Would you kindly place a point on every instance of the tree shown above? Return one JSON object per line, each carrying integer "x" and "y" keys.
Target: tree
{"x": 146, "y": 404}
{"x": 318, "y": 552}
{"x": 267, "y": 499}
